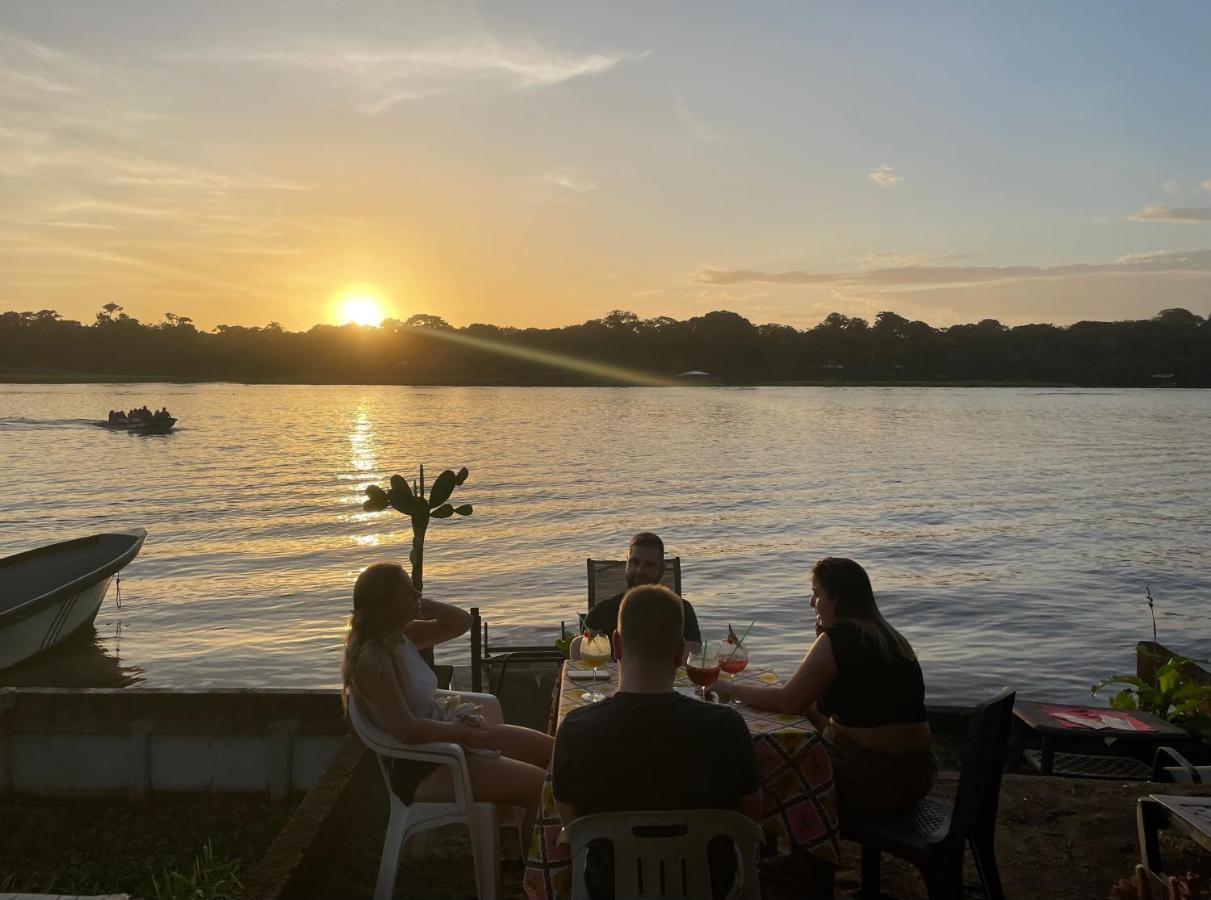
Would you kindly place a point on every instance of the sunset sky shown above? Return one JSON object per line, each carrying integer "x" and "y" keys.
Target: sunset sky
{"x": 544, "y": 163}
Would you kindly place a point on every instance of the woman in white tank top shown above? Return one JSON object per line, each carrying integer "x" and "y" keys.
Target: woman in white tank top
{"x": 383, "y": 667}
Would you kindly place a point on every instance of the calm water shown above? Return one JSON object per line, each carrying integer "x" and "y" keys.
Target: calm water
{"x": 1009, "y": 533}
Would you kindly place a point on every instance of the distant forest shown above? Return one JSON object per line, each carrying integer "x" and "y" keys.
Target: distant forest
{"x": 1172, "y": 348}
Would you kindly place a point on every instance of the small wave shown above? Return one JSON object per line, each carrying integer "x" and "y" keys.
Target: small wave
{"x": 27, "y": 422}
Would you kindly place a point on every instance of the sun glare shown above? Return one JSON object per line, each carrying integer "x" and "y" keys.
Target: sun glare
{"x": 361, "y": 307}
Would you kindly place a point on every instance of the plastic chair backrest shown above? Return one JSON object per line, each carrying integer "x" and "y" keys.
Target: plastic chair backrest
{"x": 607, "y": 577}
{"x": 983, "y": 762}
{"x": 665, "y": 854}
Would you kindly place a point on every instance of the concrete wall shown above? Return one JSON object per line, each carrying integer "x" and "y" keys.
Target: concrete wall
{"x": 57, "y": 741}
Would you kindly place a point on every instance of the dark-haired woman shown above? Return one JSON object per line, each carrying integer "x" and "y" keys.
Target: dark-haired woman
{"x": 383, "y": 669}
{"x": 861, "y": 683}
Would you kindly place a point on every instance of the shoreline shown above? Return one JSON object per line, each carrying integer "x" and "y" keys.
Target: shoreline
{"x": 64, "y": 377}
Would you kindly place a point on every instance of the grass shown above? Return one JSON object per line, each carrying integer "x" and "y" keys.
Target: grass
{"x": 111, "y": 846}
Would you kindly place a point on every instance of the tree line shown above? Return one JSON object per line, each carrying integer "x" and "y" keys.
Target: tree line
{"x": 1171, "y": 348}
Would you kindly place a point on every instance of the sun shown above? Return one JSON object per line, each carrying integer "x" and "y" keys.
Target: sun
{"x": 361, "y": 306}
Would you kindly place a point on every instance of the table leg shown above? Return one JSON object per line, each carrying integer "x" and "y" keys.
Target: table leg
{"x": 1047, "y": 754}
{"x": 1149, "y": 819}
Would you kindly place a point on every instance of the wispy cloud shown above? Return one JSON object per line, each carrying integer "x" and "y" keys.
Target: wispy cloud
{"x": 1169, "y": 187}
{"x": 700, "y": 131}
{"x": 885, "y": 177}
{"x": 568, "y": 178}
{"x": 1207, "y": 185}
{"x": 29, "y": 69}
{"x": 1194, "y": 261}
{"x": 386, "y": 77}
{"x": 1158, "y": 212}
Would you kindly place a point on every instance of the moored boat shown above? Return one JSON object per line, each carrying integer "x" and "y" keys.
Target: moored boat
{"x": 49, "y": 593}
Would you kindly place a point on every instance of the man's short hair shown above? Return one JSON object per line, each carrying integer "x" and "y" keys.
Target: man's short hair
{"x": 651, "y": 623}
{"x": 647, "y": 539}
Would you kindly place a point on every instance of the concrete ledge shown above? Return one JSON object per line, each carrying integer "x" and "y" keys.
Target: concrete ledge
{"x": 139, "y": 741}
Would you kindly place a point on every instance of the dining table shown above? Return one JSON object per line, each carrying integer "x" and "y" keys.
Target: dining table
{"x": 799, "y": 804}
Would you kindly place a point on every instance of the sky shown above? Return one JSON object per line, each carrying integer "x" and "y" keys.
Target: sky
{"x": 541, "y": 164}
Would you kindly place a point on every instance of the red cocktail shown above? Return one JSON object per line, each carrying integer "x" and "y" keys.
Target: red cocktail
{"x": 703, "y": 667}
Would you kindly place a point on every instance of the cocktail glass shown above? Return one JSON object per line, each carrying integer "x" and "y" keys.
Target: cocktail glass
{"x": 595, "y": 652}
{"x": 732, "y": 660}
{"x": 702, "y": 668}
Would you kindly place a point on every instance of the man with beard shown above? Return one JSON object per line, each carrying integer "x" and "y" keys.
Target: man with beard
{"x": 645, "y": 565}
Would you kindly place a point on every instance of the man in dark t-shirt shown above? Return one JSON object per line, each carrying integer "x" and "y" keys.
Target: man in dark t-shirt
{"x": 645, "y": 565}
{"x": 648, "y": 748}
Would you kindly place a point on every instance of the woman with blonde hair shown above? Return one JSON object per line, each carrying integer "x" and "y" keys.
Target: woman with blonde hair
{"x": 862, "y": 685}
{"x": 395, "y": 688}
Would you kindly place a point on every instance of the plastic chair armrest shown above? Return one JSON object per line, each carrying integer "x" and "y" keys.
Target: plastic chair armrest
{"x": 1159, "y": 764}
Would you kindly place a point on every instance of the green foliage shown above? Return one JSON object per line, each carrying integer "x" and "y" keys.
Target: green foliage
{"x": 209, "y": 879}
{"x": 891, "y": 349}
{"x": 411, "y": 502}
{"x": 1174, "y": 698}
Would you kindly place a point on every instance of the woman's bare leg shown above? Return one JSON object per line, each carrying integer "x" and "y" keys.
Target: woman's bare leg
{"x": 509, "y": 782}
{"x": 525, "y": 744}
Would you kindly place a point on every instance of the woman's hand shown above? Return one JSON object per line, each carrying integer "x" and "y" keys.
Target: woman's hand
{"x": 475, "y": 737}
{"x": 724, "y": 689}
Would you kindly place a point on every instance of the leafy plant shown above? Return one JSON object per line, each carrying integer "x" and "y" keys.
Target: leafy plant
{"x": 410, "y": 500}
{"x": 1174, "y": 697}
{"x": 209, "y": 879}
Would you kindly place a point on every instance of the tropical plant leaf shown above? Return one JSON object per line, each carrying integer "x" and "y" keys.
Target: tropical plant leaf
{"x": 1168, "y": 678}
{"x": 444, "y": 511}
{"x": 376, "y": 499}
{"x": 1124, "y": 699}
{"x": 461, "y": 476}
{"x": 443, "y": 487}
{"x": 400, "y": 483}
{"x": 1132, "y": 680}
{"x": 465, "y": 510}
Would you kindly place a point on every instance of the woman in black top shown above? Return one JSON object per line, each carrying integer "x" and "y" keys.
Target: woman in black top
{"x": 862, "y": 685}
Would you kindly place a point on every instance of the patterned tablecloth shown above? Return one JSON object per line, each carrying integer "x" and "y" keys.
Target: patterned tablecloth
{"x": 800, "y": 804}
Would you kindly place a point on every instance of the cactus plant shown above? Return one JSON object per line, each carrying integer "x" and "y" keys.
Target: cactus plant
{"x": 411, "y": 501}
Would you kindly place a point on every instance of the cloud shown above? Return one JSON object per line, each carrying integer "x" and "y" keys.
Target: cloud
{"x": 884, "y": 177}
{"x": 1169, "y": 187}
{"x": 911, "y": 276}
{"x": 569, "y": 178}
{"x": 1207, "y": 185}
{"x": 700, "y": 131}
{"x": 1158, "y": 212}
{"x": 386, "y": 77}
{"x": 29, "y": 70}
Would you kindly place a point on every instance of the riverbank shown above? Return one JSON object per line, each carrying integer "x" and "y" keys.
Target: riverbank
{"x": 63, "y": 376}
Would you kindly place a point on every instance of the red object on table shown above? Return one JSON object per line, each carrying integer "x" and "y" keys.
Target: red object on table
{"x": 1068, "y": 716}
{"x": 799, "y": 802}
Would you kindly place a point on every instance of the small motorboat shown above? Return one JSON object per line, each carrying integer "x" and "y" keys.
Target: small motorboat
{"x": 154, "y": 425}
{"x": 49, "y": 593}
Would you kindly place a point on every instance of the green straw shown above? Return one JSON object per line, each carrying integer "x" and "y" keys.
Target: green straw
{"x": 740, "y": 643}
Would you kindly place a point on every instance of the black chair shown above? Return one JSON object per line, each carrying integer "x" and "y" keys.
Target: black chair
{"x": 524, "y": 683}
{"x": 1169, "y": 765}
{"x": 931, "y": 835}
{"x": 607, "y": 577}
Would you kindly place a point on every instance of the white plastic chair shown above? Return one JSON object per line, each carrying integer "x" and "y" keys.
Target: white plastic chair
{"x": 483, "y": 819}
{"x": 664, "y": 854}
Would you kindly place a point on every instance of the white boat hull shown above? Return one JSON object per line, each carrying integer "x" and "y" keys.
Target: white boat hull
{"x": 51, "y": 592}
{"x": 49, "y": 626}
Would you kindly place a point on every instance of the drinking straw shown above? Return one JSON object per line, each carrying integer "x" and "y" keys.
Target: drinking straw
{"x": 746, "y": 631}
{"x": 740, "y": 643}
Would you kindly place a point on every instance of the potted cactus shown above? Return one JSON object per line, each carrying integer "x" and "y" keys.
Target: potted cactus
{"x": 412, "y": 502}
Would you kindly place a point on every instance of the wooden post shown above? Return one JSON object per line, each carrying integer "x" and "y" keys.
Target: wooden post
{"x": 476, "y": 651}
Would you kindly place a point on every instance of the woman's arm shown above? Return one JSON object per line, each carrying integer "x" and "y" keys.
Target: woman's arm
{"x": 805, "y": 687}
{"x": 437, "y": 623}
{"x": 377, "y": 684}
